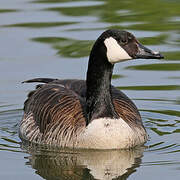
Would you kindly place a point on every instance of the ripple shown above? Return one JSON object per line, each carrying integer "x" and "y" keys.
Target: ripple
{"x": 73, "y": 3}
{"x": 166, "y": 112}
{"x": 162, "y": 148}
{"x": 155, "y": 26}
{"x": 174, "y": 151}
{"x": 160, "y": 100}
{"x": 78, "y": 10}
{"x": 67, "y": 47}
{"x": 160, "y": 163}
{"x": 174, "y": 77}
{"x": 155, "y": 40}
{"x": 175, "y": 55}
{"x": 157, "y": 67}
{"x": 151, "y": 88}
{"x": 8, "y": 10}
{"x": 8, "y": 130}
{"x": 159, "y": 132}
{"x": 117, "y": 76}
{"x": 9, "y": 143}
{"x": 40, "y": 24}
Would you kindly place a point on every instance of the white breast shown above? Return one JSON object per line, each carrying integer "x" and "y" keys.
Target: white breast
{"x": 105, "y": 133}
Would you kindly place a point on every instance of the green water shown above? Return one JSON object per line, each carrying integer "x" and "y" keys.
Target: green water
{"x": 53, "y": 38}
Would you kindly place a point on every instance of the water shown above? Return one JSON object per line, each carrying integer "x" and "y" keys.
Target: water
{"x": 52, "y": 38}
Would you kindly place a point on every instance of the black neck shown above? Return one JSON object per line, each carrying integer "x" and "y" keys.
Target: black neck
{"x": 98, "y": 97}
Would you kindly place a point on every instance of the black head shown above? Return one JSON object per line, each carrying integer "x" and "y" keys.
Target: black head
{"x": 122, "y": 45}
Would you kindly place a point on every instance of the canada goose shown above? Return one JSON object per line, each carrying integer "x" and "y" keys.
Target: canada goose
{"x": 88, "y": 114}
{"x": 91, "y": 165}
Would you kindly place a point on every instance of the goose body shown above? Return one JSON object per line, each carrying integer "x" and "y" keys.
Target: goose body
{"x": 89, "y": 114}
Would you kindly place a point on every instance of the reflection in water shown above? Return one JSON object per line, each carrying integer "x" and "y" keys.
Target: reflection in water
{"x": 151, "y": 88}
{"x": 157, "y": 67}
{"x": 40, "y": 24}
{"x": 7, "y": 10}
{"x": 67, "y": 47}
{"x": 68, "y": 164}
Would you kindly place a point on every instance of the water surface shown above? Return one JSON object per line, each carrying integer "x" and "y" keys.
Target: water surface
{"x": 53, "y": 38}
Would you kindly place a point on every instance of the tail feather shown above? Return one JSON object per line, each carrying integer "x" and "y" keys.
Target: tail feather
{"x": 43, "y": 80}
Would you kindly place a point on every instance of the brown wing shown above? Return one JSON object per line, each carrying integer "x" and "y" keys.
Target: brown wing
{"x": 77, "y": 86}
{"x": 56, "y": 109}
{"x": 125, "y": 108}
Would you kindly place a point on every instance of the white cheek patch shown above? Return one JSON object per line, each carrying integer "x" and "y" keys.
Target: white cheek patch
{"x": 115, "y": 52}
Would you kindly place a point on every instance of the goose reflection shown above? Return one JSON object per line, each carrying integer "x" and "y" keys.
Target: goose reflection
{"x": 76, "y": 165}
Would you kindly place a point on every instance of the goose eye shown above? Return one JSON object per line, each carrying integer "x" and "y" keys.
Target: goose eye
{"x": 123, "y": 41}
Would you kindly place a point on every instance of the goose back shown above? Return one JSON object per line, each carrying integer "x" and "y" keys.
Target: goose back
{"x": 55, "y": 112}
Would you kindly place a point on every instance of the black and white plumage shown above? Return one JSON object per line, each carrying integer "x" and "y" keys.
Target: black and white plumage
{"x": 88, "y": 114}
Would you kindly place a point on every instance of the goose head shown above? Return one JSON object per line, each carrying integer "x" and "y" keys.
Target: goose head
{"x": 122, "y": 45}
{"x": 111, "y": 47}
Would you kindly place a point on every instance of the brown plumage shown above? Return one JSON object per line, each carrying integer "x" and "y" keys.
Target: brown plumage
{"x": 59, "y": 106}
{"x": 91, "y": 113}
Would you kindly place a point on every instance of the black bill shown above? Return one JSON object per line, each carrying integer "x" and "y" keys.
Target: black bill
{"x": 145, "y": 53}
